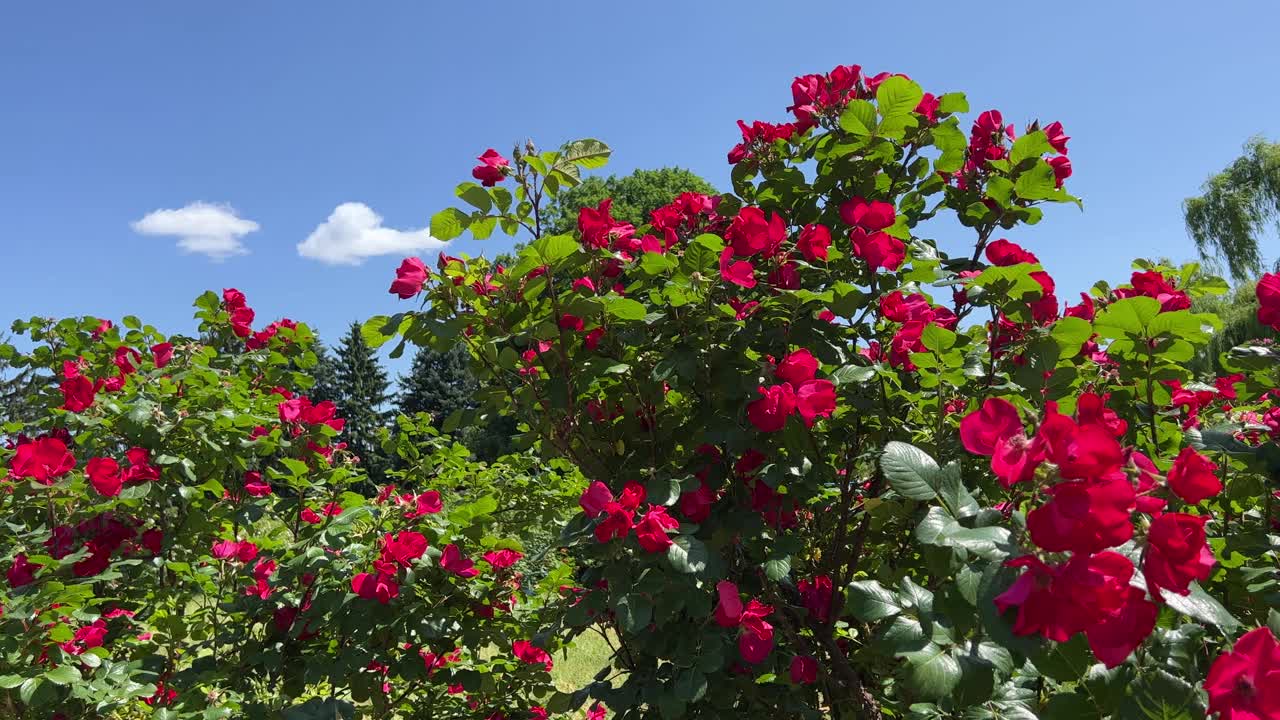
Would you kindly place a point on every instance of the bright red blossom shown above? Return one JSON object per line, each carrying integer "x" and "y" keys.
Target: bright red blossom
{"x": 1193, "y": 476}
{"x": 1244, "y": 684}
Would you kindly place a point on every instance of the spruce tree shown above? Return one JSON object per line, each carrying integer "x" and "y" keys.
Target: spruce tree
{"x": 325, "y": 373}
{"x": 362, "y": 396}
{"x": 20, "y": 388}
{"x": 438, "y": 383}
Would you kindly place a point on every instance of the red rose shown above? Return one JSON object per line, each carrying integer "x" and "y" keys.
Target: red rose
{"x": 652, "y": 529}
{"x": 982, "y": 429}
{"x": 455, "y": 562}
{"x": 617, "y": 522}
{"x": 1084, "y": 516}
{"x": 104, "y": 475}
{"x": 1061, "y": 165}
{"x": 254, "y": 485}
{"x": 815, "y": 399}
{"x": 816, "y": 596}
{"x": 1244, "y": 684}
{"x": 490, "y": 171}
{"x": 532, "y": 654}
{"x": 1056, "y": 137}
{"x": 696, "y": 504}
{"x": 869, "y": 216}
{"x": 162, "y": 353}
{"x": 1177, "y": 553}
{"x": 1003, "y": 253}
{"x": 797, "y": 368}
{"x": 499, "y": 559}
{"x": 756, "y": 641}
{"x": 44, "y": 460}
{"x": 1083, "y": 452}
{"x": 404, "y": 547}
{"x": 1193, "y": 476}
{"x": 750, "y": 233}
{"x": 77, "y": 393}
{"x": 410, "y": 277}
{"x": 728, "y": 609}
{"x": 770, "y": 412}
{"x": 804, "y": 670}
{"x": 1268, "y": 292}
{"x": 572, "y": 323}
{"x": 21, "y": 572}
{"x": 740, "y": 272}
{"x": 595, "y": 498}
{"x": 381, "y": 587}
{"x": 813, "y": 242}
{"x": 879, "y": 249}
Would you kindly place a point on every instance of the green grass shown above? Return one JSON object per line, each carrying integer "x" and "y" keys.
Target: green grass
{"x": 577, "y": 666}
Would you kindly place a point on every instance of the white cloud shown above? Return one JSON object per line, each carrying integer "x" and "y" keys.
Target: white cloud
{"x": 205, "y": 228}
{"x": 354, "y": 232}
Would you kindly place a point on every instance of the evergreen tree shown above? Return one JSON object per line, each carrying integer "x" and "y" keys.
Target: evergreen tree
{"x": 325, "y": 373}
{"x": 19, "y": 389}
{"x": 440, "y": 384}
{"x": 437, "y": 383}
{"x": 362, "y": 397}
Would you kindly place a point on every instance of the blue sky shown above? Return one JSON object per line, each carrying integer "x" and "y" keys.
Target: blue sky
{"x": 287, "y": 110}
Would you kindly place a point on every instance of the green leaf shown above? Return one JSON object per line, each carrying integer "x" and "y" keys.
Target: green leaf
{"x": 932, "y": 672}
{"x": 623, "y": 308}
{"x": 587, "y": 153}
{"x": 1031, "y": 145}
{"x": 449, "y": 223}
{"x": 951, "y": 140}
{"x": 1127, "y": 316}
{"x": 939, "y": 528}
{"x": 776, "y": 568}
{"x": 553, "y": 248}
{"x": 1202, "y": 606}
{"x": 953, "y": 102}
{"x": 1064, "y": 662}
{"x": 1158, "y": 695}
{"x": 898, "y": 96}
{"x": 859, "y": 118}
{"x": 1071, "y": 706}
{"x": 868, "y": 601}
{"x": 687, "y": 554}
{"x": 8, "y": 682}
{"x": 853, "y": 374}
{"x": 475, "y": 196}
{"x": 321, "y": 709}
{"x": 634, "y": 612}
{"x": 63, "y": 674}
{"x": 1036, "y": 183}
{"x": 910, "y": 470}
{"x": 937, "y": 338}
{"x": 1071, "y": 333}
{"x": 28, "y": 688}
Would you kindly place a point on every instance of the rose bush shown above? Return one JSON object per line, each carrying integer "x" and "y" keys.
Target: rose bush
{"x": 181, "y": 540}
{"x": 850, "y": 453}
{"x": 829, "y": 446}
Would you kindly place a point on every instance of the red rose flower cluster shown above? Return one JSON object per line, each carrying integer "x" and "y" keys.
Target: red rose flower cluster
{"x": 755, "y": 640}
{"x": 915, "y": 313}
{"x": 398, "y": 551}
{"x": 618, "y": 516}
{"x": 1087, "y": 510}
{"x": 799, "y": 392}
